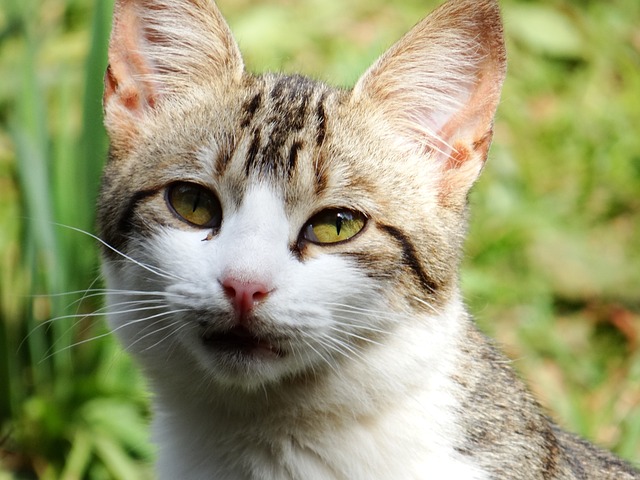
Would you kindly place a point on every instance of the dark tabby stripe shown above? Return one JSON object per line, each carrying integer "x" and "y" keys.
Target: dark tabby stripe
{"x": 321, "y": 177}
{"x": 225, "y": 154}
{"x": 322, "y": 120}
{"x": 116, "y": 233}
{"x": 278, "y": 88}
{"x": 370, "y": 263}
{"x": 293, "y": 155}
{"x": 252, "y": 153}
{"x": 410, "y": 258}
{"x": 250, "y": 108}
{"x": 550, "y": 466}
{"x": 125, "y": 222}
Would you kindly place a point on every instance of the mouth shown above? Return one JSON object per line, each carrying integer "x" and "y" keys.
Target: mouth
{"x": 241, "y": 340}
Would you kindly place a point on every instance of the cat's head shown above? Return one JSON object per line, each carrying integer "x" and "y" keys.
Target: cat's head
{"x": 265, "y": 227}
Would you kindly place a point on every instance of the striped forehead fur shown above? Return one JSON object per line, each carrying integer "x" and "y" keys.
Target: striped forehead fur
{"x": 282, "y": 119}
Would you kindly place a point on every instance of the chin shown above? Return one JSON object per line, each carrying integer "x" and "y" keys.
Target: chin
{"x": 239, "y": 359}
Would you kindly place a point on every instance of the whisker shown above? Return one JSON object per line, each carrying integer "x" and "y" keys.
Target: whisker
{"x": 47, "y": 324}
{"x": 159, "y": 293}
{"x": 298, "y": 355}
{"x": 97, "y": 292}
{"x": 353, "y": 308}
{"x": 340, "y": 347}
{"x": 355, "y": 335}
{"x": 101, "y": 312}
{"x": 98, "y": 313}
{"x": 396, "y": 316}
{"x": 157, "y": 315}
{"x": 387, "y": 313}
{"x": 155, "y": 270}
{"x": 73, "y": 345}
{"x": 427, "y": 304}
{"x": 84, "y": 295}
{"x": 103, "y": 335}
{"x": 326, "y": 360}
{"x": 151, "y": 268}
{"x": 167, "y": 336}
{"x": 350, "y": 323}
{"x": 153, "y": 330}
{"x": 150, "y": 304}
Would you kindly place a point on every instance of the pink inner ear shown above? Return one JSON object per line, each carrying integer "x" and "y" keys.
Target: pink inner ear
{"x": 458, "y": 156}
{"x": 470, "y": 129}
{"x": 460, "y": 170}
{"x": 128, "y": 96}
{"x": 126, "y": 79}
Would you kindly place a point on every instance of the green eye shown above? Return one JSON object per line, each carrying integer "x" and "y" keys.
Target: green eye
{"x": 195, "y": 205}
{"x": 333, "y": 226}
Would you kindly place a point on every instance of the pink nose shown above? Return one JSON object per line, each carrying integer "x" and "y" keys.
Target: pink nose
{"x": 244, "y": 295}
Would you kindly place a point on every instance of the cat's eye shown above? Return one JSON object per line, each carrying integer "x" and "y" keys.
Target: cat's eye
{"x": 195, "y": 205}
{"x": 333, "y": 226}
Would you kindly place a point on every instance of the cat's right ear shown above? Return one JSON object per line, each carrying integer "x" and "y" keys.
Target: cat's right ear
{"x": 159, "y": 49}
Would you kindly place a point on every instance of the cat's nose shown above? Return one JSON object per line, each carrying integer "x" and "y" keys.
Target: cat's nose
{"x": 244, "y": 295}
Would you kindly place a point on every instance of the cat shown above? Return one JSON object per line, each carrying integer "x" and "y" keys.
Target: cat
{"x": 287, "y": 258}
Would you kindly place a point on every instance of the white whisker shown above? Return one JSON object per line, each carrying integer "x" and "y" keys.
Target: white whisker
{"x": 73, "y": 345}
{"x": 354, "y": 335}
{"x": 153, "y": 330}
{"x": 166, "y": 336}
{"x": 155, "y": 270}
{"x": 428, "y": 305}
{"x": 362, "y": 327}
{"x": 145, "y": 319}
{"x": 340, "y": 347}
{"x": 103, "y": 335}
{"x": 326, "y": 360}
{"x": 98, "y": 292}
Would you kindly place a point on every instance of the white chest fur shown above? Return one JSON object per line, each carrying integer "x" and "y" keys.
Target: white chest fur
{"x": 399, "y": 425}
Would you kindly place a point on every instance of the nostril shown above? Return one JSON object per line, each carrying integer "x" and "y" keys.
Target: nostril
{"x": 259, "y": 295}
{"x": 229, "y": 290}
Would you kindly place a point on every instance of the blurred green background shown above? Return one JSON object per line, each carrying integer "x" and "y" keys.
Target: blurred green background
{"x": 552, "y": 268}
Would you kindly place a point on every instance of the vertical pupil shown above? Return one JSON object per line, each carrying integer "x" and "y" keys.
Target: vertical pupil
{"x": 338, "y": 223}
{"x": 196, "y": 202}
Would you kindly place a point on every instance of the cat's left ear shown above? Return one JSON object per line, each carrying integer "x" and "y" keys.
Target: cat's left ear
{"x": 438, "y": 88}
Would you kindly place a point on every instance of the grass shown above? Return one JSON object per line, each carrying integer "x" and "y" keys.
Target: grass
{"x": 552, "y": 267}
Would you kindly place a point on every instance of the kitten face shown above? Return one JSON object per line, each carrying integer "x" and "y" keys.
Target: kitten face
{"x": 267, "y": 228}
{"x": 322, "y": 300}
